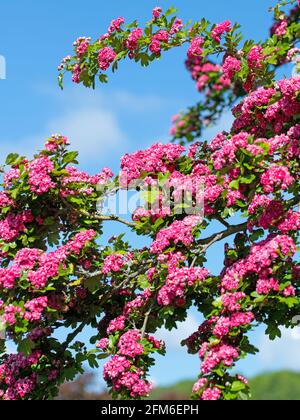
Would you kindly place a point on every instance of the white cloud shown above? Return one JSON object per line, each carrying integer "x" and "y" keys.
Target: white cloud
{"x": 91, "y": 120}
{"x": 95, "y": 133}
{"x": 283, "y": 353}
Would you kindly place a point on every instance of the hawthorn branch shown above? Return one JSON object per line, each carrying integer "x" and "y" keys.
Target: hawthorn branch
{"x": 294, "y": 201}
{"x": 147, "y": 315}
{"x": 222, "y": 221}
{"x": 217, "y": 237}
{"x": 73, "y": 335}
{"x": 112, "y": 218}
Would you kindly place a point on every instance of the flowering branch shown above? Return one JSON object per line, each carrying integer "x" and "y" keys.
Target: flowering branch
{"x": 53, "y": 266}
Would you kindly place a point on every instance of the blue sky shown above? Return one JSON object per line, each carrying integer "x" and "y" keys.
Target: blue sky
{"x": 131, "y": 112}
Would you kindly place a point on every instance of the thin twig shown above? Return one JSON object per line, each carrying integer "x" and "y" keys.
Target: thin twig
{"x": 73, "y": 335}
{"x": 147, "y": 315}
{"x": 112, "y": 218}
{"x": 206, "y": 243}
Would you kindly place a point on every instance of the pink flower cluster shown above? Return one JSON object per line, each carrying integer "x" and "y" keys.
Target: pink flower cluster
{"x": 177, "y": 282}
{"x": 113, "y": 263}
{"x": 272, "y": 212}
{"x": 80, "y": 182}
{"x": 129, "y": 344}
{"x": 256, "y": 113}
{"x": 14, "y": 224}
{"x": 39, "y": 171}
{"x": 231, "y": 66}
{"x": 76, "y": 73}
{"x": 119, "y": 373}
{"x": 290, "y": 223}
{"x": 117, "y": 324}
{"x": 55, "y": 142}
{"x": 48, "y": 264}
{"x": 220, "y": 29}
{"x": 207, "y": 74}
{"x": 105, "y": 57}
{"x": 195, "y": 49}
{"x": 156, "y": 12}
{"x": 11, "y": 313}
{"x": 5, "y": 200}
{"x": 178, "y": 231}
{"x": 115, "y": 25}
{"x": 280, "y": 28}
{"x": 255, "y": 57}
{"x": 211, "y": 394}
{"x": 10, "y": 176}
{"x": 82, "y": 45}
{"x": 177, "y": 26}
{"x": 215, "y": 355}
{"x": 13, "y": 385}
{"x": 137, "y": 303}
{"x": 227, "y": 154}
{"x": 158, "y": 158}
{"x": 157, "y": 39}
{"x": 132, "y": 41}
{"x": 35, "y": 309}
{"x": 261, "y": 258}
{"x": 231, "y": 301}
{"x": 276, "y": 177}
{"x": 225, "y": 324}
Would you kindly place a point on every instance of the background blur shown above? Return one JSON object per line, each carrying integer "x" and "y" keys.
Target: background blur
{"x": 131, "y": 112}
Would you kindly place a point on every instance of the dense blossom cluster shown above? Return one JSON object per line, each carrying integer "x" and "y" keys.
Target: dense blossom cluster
{"x": 177, "y": 282}
{"x": 158, "y": 158}
{"x": 16, "y": 385}
{"x": 55, "y": 273}
{"x": 39, "y": 268}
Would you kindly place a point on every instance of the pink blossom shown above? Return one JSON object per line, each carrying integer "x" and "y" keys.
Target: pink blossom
{"x": 115, "y": 25}
{"x": 195, "y": 49}
{"x": 211, "y": 394}
{"x": 35, "y": 309}
{"x": 255, "y": 57}
{"x": 105, "y": 57}
{"x": 157, "y": 158}
{"x": 155, "y": 46}
{"x": 113, "y": 263}
{"x": 117, "y": 324}
{"x": 220, "y": 29}
{"x": 115, "y": 367}
{"x": 156, "y": 12}
{"x": 39, "y": 171}
{"x": 129, "y": 344}
{"x": 280, "y": 27}
{"x": 14, "y": 224}
{"x": 132, "y": 41}
{"x": 5, "y": 200}
{"x": 53, "y": 144}
{"x": 276, "y": 177}
{"x": 231, "y": 66}
{"x": 176, "y": 27}
{"x": 103, "y": 344}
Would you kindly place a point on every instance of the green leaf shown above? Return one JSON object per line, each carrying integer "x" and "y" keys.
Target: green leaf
{"x": 70, "y": 157}
{"x": 61, "y": 81}
{"x": 247, "y": 179}
{"x": 234, "y": 184}
{"x": 273, "y": 332}
{"x": 26, "y": 346}
{"x": 238, "y": 386}
{"x": 171, "y": 11}
{"x": 92, "y": 284}
{"x": 11, "y": 158}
